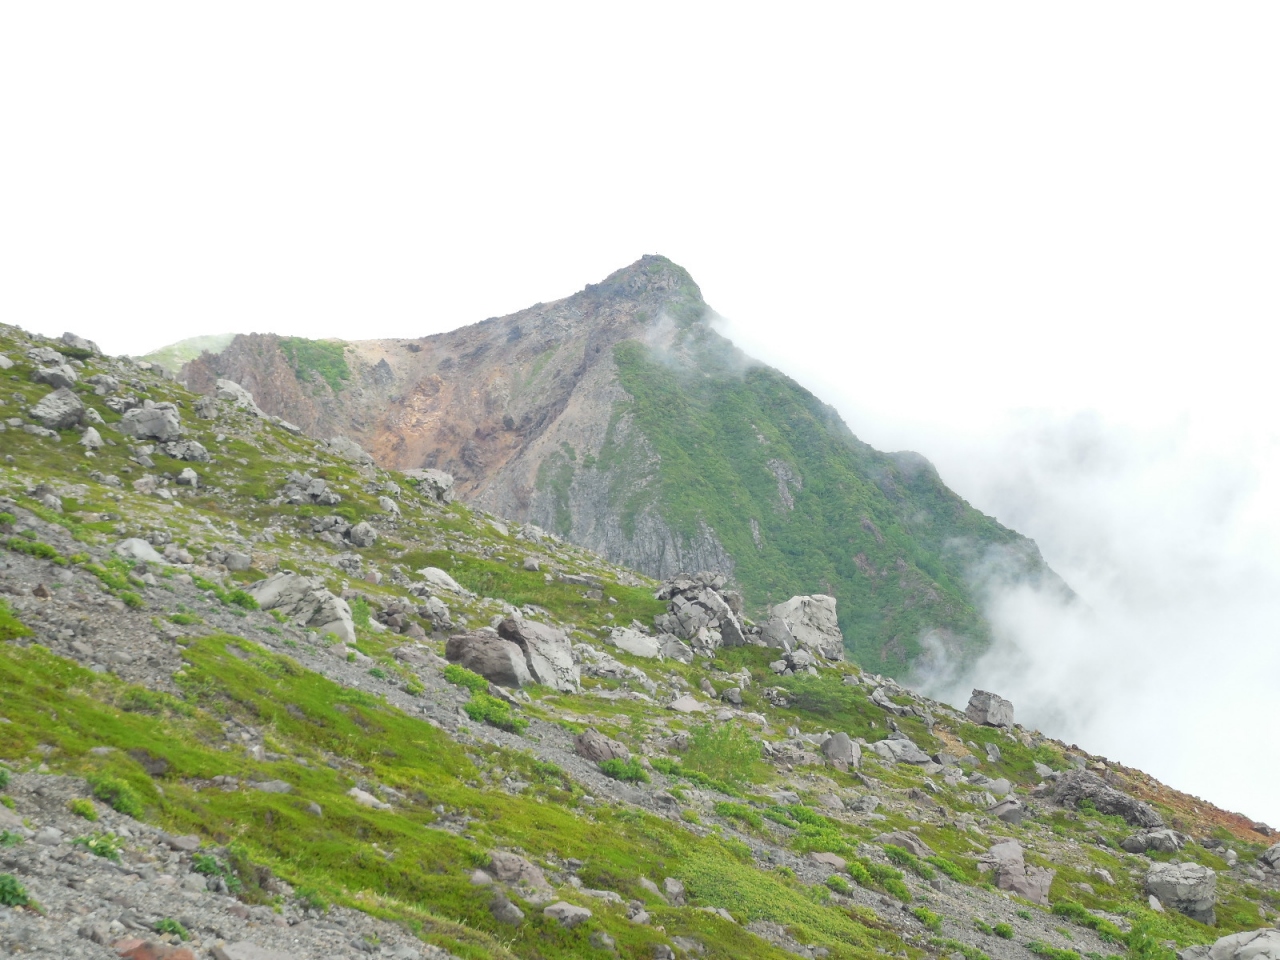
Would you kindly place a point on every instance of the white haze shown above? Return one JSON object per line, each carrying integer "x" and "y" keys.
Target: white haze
{"x": 1037, "y": 243}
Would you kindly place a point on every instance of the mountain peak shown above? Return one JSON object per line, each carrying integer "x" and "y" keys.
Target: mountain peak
{"x": 652, "y": 274}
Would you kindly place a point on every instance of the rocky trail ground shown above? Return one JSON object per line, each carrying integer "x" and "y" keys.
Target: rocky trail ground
{"x": 260, "y": 698}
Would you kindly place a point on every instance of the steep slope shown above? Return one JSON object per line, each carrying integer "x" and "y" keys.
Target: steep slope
{"x": 179, "y": 761}
{"x": 620, "y": 419}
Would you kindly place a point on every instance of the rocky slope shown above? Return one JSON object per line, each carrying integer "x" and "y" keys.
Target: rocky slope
{"x": 229, "y": 727}
{"x": 619, "y": 419}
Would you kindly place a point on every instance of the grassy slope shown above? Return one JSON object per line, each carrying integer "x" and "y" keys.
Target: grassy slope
{"x": 891, "y": 544}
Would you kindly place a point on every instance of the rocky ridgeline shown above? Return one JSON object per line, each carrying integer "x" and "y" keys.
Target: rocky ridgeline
{"x": 139, "y": 540}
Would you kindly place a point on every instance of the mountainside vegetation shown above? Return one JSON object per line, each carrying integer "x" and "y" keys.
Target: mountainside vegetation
{"x": 228, "y": 715}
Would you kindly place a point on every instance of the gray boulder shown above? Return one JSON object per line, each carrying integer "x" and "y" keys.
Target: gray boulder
{"x": 1188, "y": 888}
{"x": 158, "y": 422}
{"x": 59, "y": 410}
{"x": 988, "y": 709}
{"x": 1250, "y": 945}
{"x": 307, "y": 603}
{"x": 232, "y": 391}
{"x": 1164, "y": 840}
{"x": 1271, "y": 857}
{"x": 498, "y": 661}
{"x": 58, "y": 377}
{"x": 702, "y": 611}
{"x": 547, "y": 651}
{"x": 807, "y": 623}
{"x": 900, "y": 750}
{"x": 362, "y": 535}
{"x": 45, "y": 355}
{"x": 597, "y": 748}
{"x": 80, "y": 343}
{"x": 568, "y": 915}
{"x": 635, "y": 643}
{"x": 91, "y": 439}
{"x": 907, "y": 841}
{"x": 1011, "y": 872}
{"x": 348, "y": 450}
{"x": 675, "y": 648}
{"x": 1076, "y": 785}
{"x": 839, "y": 748}
{"x": 135, "y": 549}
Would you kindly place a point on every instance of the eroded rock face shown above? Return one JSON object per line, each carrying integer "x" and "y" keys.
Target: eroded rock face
{"x": 805, "y": 623}
{"x": 989, "y": 709}
{"x": 841, "y": 748}
{"x": 498, "y": 661}
{"x": 1166, "y": 841}
{"x": 232, "y": 391}
{"x": 1189, "y": 888}
{"x": 900, "y": 750}
{"x": 1076, "y": 785}
{"x": 435, "y": 483}
{"x": 635, "y": 643}
{"x": 1250, "y": 945}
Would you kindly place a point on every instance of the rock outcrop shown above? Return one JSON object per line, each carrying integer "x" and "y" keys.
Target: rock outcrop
{"x": 990, "y": 710}
{"x": 1189, "y": 888}
{"x": 1011, "y": 872}
{"x": 702, "y": 611}
{"x": 307, "y": 603}
{"x": 805, "y": 623}
{"x": 497, "y": 660}
{"x": 1076, "y": 785}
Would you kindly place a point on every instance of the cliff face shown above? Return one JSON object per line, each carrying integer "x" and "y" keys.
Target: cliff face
{"x": 620, "y": 419}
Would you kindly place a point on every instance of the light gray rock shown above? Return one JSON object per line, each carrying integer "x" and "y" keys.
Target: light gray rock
{"x": 1271, "y": 857}
{"x": 528, "y": 878}
{"x": 159, "y": 422}
{"x": 635, "y": 643}
{"x": 497, "y": 660}
{"x": 1164, "y": 840}
{"x": 273, "y": 786}
{"x": 60, "y": 410}
{"x": 675, "y": 648}
{"x": 189, "y": 478}
{"x": 80, "y": 343}
{"x": 307, "y": 603}
{"x": 438, "y": 578}
{"x": 807, "y": 623}
{"x": 1250, "y": 945}
{"x": 91, "y": 439}
{"x": 1077, "y": 785}
{"x": 136, "y": 549}
{"x": 59, "y": 377}
{"x": 567, "y": 914}
{"x": 898, "y": 750}
{"x": 363, "y": 535}
{"x": 434, "y": 483}
{"x": 504, "y": 911}
{"x": 687, "y": 704}
{"x": 841, "y": 748}
{"x": 989, "y": 709}
{"x": 1010, "y": 811}
{"x": 5, "y": 362}
{"x": 238, "y": 395}
{"x": 547, "y": 652}
{"x": 1189, "y": 888}
{"x": 1011, "y": 872}
{"x": 597, "y": 748}
{"x": 246, "y": 950}
{"x": 45, "y": 355}
{"x": 366, "y": 799}
{"x": 348, "y": 450}
{"x": 907, "y": 841}
{"x": 387, "y": 505}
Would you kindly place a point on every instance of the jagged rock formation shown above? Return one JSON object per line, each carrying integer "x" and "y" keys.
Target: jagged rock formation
{"x": 621, "y": 420}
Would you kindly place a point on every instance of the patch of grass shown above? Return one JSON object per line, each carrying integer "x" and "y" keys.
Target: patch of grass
{"x": 1106, "y": 930}
{"x": 838, "y": 884}
{"x": 740, "y": 812}
{"x": 628, "y": 770}
{"x": 313, "y": 360}
{"x": 170, "y": 926}
{"x": 483, "y": 708}
{"x": 35, "y": 548}
{"x": 184, "y": 619}
{"x": 12, "y": 893}
{"x": 4, "y": 778}
{"x": 83, "y": 808}
{"x": 11, "y": 628}
{"x": 1053, "y": 953}
{"x": 1003, "y": 930}
{"x": 725, "y": 752}
{"x": 930, "y": 919}
{"x": 105, "y": 845}
{"x": 360, "y": 613}
{"x": 466, "y": 678}
{"x": 907, "y": 859}
{"x": 117, "y": 794}
{"x": 947, "y": 867}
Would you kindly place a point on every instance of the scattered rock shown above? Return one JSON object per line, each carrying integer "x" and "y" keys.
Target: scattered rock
{"x": 1076, "y": 785}
{"x": 547, "y": 652}
{"x": 307, "y": 603}
{"x": 498, "y": 661}
{"x": 1164, "y": 840}
{"x": 840, "y": 748}
{"x": 807, "y": 623}
{"x": 1188, "y": 888}
{"x": 157, "y": 422}
{"x": 907, "y": 841}
{"x": 989, "y": 709}
{"x": 567, "y": 914}
{"x": 1250, "y": 945}
{"x": 900, "y": 750}
{"x": 434, "y": 483}
{"x": 135, "y": 549}
{"x": 597, "y": 748}
{"x": 1012, "y": 873}
{"x": 60, "y": 410}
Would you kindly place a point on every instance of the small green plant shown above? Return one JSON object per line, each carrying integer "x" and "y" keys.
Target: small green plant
{"x": 131, "y": 599}
{"x": 4, "y": 778}
{"x": 309, "y": 898}
{"x": 11, "y": 628}
{"x": 8, "y": 802}
{"x": 1053, "y": 953}
{"x": 838, "y": 884}
{"x": 483, "y": 708}
{"x": 171, "y": 926}
{"x": 9, "y": 839}
{"x": 465, "y": 678}
{"x": 1003, "y": 931}
{"x": 739, "y": 811}
{"x": 184, "y": 619}
{"x": 12, "y": 893}
{"x": 948, "y": 868}
{"x": 689, "y": 815}
{"x": 83, "y": 808}
{"x": 105, "y": 845}
{"x": 242, "y": 599}
{"x": 628, "y": 770}
{"x": 928, "y": 918}
{"x": 378, "y": 672}
{"x": 359, "y": 612}
{"x": 117, "y": 794}
{"x": 1024, "y": 914}
{"x": 982, "y": 926}
{"x": 724, "y": 752}
{"x": 906, "y": 858}
{"x": 210, "y": 866}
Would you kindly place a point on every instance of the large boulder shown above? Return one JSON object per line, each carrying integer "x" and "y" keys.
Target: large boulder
{"x": 547, "y": 651}
{"x": 59, "y": 377}
{"x": 1271, "y": 857}
{"x": 434, "y": 483}
{"x": 1011, "y": 872}
{"x": 1250, "y": 945}
{"x": 807, "y": 623}
{"x": 702, "y": 611}
{"x": 59, "y": 410}
{"x": 597, "y": 748}
{"x": 348, "y": 450}
{"x": 989, "y": 709}
{"x": 438, "y": 578}
{"x": 1165, "y": 840}
{"x": 80, "y": 343}
{"x": 840, "y": 748}
{"x": 137, "y": 549}
{"x": 157, "y": 422}
{"x": 232, "y": 391}
{"x": 307, "y": 603}
{"x": 900, "y": 749}
{"x": 1077, "y": 785}
{"x": 907, "y": 841}
{"x": 362, "y": 534}
{"x": 1186, "y": 887}
{"x": 498, "y": 661}
{"x": 635, "y": 643}
{"x": 527, "y": 877}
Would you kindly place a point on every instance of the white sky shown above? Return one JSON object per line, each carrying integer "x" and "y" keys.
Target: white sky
{"x": 1037, "y": 244}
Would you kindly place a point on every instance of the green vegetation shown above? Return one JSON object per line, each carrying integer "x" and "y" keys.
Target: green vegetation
{"x": 117, "y": 794}
{"x": 877, "y": 531}
{"x": 483, "y": 708}
{"x": 628, "y": 770}
{"x": 83, "y": 808}
{"x": 4, "y": 778}
{"x": 1052, "y": 953}
{"x": 1003, "y": 931}
{"x": 928, "y": 918}
{"x": 12, "y": 893}
{"x": 171, "y": 926}
{"x": 466, "y": 678}
{"x": 315, "y": 360}
{"x": 105, "y": 845}
{"x": 10, "y": 629}
{"x": 725, "y": 752}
